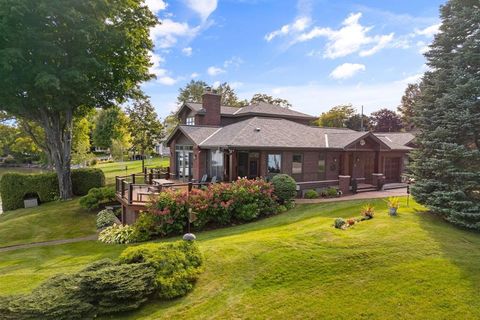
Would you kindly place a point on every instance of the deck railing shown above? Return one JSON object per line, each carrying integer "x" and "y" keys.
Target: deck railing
{"x": 136, "y": 189}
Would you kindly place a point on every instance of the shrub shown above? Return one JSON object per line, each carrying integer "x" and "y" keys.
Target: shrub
{"x": 85, "y": 179}
{"x": 101, "y": 288}
{"x": 97, "y": 197}
{"x": 177, "y": 265}
{"x": 221, "y": 203}
{"x": 351, "y": 221}
{"x": 114, "y": 288}
{"x": 329, "y": 192}
{"x": 281, "y": 208}
{"x": 311, "y": 194}
{"x": 368, "y": 211}
{"x": 105, "y": 218}
{"x": 339, "y": 222}
{"x": 146, "y": 227}
{"x": 285, "y": 187}
{"x": 117, "y": 234}
{"x": 15, "y": 186}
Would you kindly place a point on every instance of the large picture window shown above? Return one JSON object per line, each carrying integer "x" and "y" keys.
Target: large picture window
{"x": 297, "y": 163}
{"x": 216, "y": 164}
{"x": 274, "y": 163}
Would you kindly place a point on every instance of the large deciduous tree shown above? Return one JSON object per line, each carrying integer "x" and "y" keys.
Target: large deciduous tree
{"x": 110, "y": 124}
{"x": 406, "y": 108}
{"x": 355, "y": 122}
{"x": 446, "y": 164}
{"x": 145, "y": 127}
{"x": 60, "y": 58}
{"x": 336, "y": 117}
{"x": 262, "y": 97}
{"x": 193, "y": 91}
{"x": 385, "y": 120}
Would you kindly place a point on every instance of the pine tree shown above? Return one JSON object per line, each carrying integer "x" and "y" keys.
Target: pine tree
{"x": 447, "y": 162}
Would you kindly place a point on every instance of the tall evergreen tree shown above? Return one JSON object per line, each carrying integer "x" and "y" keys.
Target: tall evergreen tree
{"x": 406, "y": 108}
{"x": 447, "y": 163}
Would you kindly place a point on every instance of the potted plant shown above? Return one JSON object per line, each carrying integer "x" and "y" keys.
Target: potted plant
{"x": 368, "y": 211}
{"x": 393, "y": 205}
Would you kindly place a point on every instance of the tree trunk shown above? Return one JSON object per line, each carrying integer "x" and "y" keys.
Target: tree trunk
{"x": 58, "y": 138}
{"x": 143, "y": 161}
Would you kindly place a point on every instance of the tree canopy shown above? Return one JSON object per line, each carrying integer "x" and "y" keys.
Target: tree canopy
{"x": 262, "y": 97}
{"x": 61, "y": 58}
{"x": 336, "y": 117}
{"x": 144, "y": 126}
{"x": 446, "y": 164}
{"x": 385, "y": 120}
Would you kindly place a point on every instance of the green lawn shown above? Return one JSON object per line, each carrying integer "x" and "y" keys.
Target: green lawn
{"x": 118, "y": 168}
{"x": 4, "y": 170}
{"x": 49, "y": 221}
{"x": 297, "y": 266}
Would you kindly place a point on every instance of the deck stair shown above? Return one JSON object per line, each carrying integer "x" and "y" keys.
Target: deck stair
{"x": 365, "y": 187}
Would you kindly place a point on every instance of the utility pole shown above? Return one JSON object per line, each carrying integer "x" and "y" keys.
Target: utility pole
{"x": 361, "y": 121}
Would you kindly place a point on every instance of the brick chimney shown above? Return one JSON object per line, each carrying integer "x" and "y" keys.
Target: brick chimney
{"x": 211, "y": 103}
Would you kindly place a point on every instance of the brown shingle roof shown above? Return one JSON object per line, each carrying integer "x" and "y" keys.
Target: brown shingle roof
{"x": 197, "y": 133}
{"x": 396, "y": 140}
{"x": 260, "y": 109}
{"x": 264, "y": 132}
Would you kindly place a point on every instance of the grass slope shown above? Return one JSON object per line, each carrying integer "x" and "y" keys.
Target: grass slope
{"x": 297, "y": 266}
{"x": 49, "y": 221}
{"x": 113, "y": 169}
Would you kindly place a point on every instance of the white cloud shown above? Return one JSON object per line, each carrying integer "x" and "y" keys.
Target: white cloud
{"x": 347, "y": 70}
{"x": 415, "y": 78}
{"x": 350, "y": 38}
{"x": 428, "y": 31}
{"x": 213, "y": 71}
{"x": 382, "y": 42}
{"x": 298, "y": 25}
{"x": 194, "y": 75}
{"x": 165, "y": 34}
{"x": 216, "y": 84}
{"x": 156, "y": 5}
{"x": 166, "y": 80}
{"x": 236, "y": 84}
{"x": 187, "y": 51}
{"x": 233, "y": 62}
{"x": 203, "y": 7}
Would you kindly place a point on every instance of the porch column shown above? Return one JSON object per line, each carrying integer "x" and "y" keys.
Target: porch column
{"x": 233, "y": 166}
{"x": 196, "y": 163}
{"x": 344, "y": 163}
{"x": 377, "y": 162}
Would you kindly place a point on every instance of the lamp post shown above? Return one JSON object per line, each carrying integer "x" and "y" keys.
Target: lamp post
{"x": 189, "y": 236}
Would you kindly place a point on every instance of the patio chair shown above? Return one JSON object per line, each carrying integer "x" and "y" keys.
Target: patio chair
{"x": 214, "y": 179}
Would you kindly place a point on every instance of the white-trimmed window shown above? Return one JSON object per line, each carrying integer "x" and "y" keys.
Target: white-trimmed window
{"x": 274, "y": 163}
{"x": 190, "y": 121}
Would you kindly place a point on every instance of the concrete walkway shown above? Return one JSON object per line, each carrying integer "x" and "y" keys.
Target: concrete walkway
{"x": 358, "y": 196}
{"x": 47, "y": 243}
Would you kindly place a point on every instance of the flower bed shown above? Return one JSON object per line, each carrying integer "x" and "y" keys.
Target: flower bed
{"x": 218, "y": 204}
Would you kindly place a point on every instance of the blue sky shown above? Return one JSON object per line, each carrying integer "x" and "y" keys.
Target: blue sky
{"x": 316, "y": 54}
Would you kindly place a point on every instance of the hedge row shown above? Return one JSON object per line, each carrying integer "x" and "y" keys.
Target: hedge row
{"x": 14, "y": 187}
{"x": 106, "y": 287}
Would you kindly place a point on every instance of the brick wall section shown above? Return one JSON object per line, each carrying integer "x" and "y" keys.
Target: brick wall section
{"x": 211, "y": 103}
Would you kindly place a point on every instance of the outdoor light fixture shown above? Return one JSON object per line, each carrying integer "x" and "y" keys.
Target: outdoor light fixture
{"x": 358, "y": 159}
{"x": 334, "y": 159}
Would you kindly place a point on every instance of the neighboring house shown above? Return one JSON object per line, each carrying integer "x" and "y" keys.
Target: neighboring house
{"x": 162, "y": 150}
{"x": 262, "y": 140}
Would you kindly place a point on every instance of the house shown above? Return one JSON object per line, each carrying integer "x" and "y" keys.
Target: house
{"x": 262, "y": 140}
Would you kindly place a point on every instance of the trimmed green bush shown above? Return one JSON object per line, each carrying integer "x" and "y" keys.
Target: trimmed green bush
{"x": 105, "y": 218}
{"x": 104, "y": 287}
{"x": 285, "y": 187}
{"x": 311, "y": 194}
{"x": 339, "y": 222}
{"x": 15, "y": 186}
{"x": 114, "y": 288}
{"x": 85, "y": 179}
{"x": 97, "y": 197}
{"x": 177, "y": 264}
